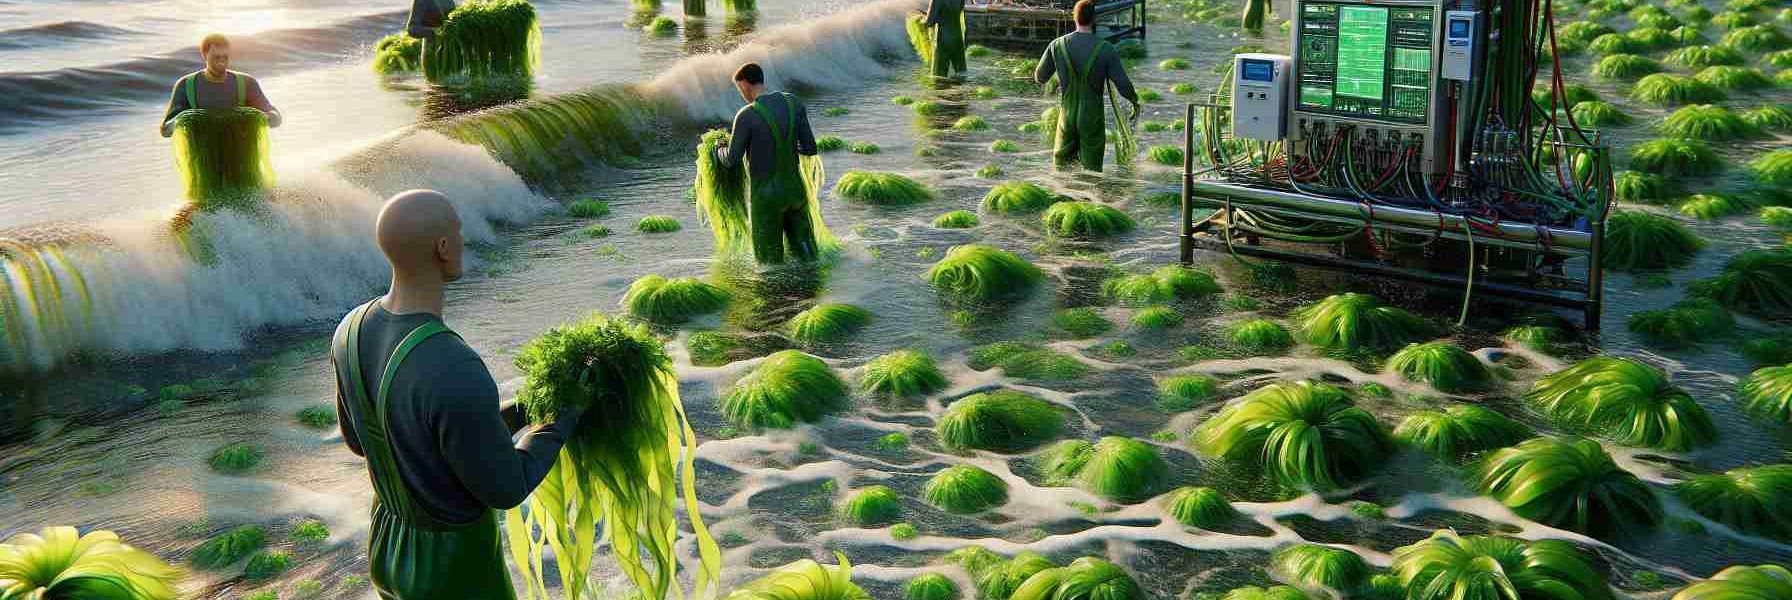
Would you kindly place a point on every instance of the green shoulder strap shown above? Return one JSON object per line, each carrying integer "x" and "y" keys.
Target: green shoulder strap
{"x": 1089, "y": 64}
{"x": 242, "y": 89}
{"x": 192, "y": 96}
{"x": 371, "y": 430}
{"x": 779, "y": 140}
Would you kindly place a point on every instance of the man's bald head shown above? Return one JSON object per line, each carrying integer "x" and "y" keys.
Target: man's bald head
{"x": 419, "y": 232}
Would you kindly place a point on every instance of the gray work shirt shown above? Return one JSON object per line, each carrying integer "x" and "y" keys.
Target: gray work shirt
{"x": 451, "y": 437}
{"x": 218, "y": 96}
{"x": 426, "y": 16}
{"x": 753, "y": 139}
{"x": 1107, "y": 67}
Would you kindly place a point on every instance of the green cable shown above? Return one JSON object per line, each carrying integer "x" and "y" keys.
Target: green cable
{"x": 1468, "y": 292}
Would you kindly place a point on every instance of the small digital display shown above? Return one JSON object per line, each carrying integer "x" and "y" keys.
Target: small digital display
{"x": 1259, "y": 70}
{"x": 1459, "y": 28}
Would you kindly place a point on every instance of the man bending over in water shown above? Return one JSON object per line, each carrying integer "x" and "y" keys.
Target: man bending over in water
{"x": 419, "y": 404}
{"x": 216, "y": 87}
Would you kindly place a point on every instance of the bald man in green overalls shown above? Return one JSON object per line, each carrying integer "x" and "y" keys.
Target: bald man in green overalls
{"x": 419, "y": 404}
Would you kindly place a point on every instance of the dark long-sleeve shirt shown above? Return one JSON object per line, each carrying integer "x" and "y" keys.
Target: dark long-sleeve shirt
{"x": 938, "y": 9}
{"x": 1107, "y": 67}
{"x": 451, "y": 437}
{"x": 752, "y": 137}
{"x": 217, "y": 96}
{"x": 426, "y": 16}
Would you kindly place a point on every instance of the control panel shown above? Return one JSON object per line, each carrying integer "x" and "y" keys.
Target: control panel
{"x": 1260, "y": 85}
{"x": 1366, "y": 73}
{"x": 1461, "y": 29}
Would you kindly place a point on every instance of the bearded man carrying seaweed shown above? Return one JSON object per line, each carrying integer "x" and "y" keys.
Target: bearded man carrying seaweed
{"x": 1084, "y": 64}
{"x": 216, "y": 87}
{"x": 770, "y": 133}
{"x": 419, "y": 404}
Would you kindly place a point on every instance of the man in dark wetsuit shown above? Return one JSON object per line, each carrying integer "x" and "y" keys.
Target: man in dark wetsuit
{"x": 947, "y": 17}
{"x": 419, "y": 404}
{"x": 1084, "y": 64}
{"x": 770, "y": 133}
{"x": 216, "y": 87}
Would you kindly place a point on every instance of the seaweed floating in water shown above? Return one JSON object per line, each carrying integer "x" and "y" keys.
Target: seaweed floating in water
{"x": 804, "y": 579}
{"x": 1446, "y": 366}
{"x": 1027, "y": 361}
{"x": 874, "y": 505}
{"x": 1156, "y": 317}
{"x": 965, "y": 489}
{"x": 1355, "y": 322}
{"x": 1636, "y": 186}
{"x": 1756, "y": 282}
{"x": 661, "y": 300}
{"x": 1459, "y": 431}
{"x": 1567, "y": 483}
{"x": 1733, "y": 78}
{"x": 1302, "y": 434}
{"x": 1750, "y": 500}
{"x": 223, "y": 156}
{"x": 1642, "y": 241}
{"x": 1706, "y": 122}
{"x": 789, "y": 387}
{"x": 1198, "y": 507}
{"x": 884, "y": 189}
{"x": 958, "y": 219}
{"x": 902, "y": 373}
{"x": 1160, "y": 286}
{"x": 1631, "y": 402}
{"x": 59, "y": 562}
{"x": 1261, "y": 337}
{"x": 1073, "y": 218}
{"x": 1017, "y": 197}
{"x": 1087, "y": 578}
{"x": 1675, "y": 157}
{"x": 1448, "y": 566}
{"x": 1624, "y": 67}
{"x": 824, "y": 323}
{"x": 1767, "y": 394}
{"x": 1665, "y": 89}
{"x": 227, "y": 548}
{"x": 978, "y": 272}
{"x": 1184, "y": 392}
{"x": 627, "y": 464}
{"x": 1682, "y": 325}
{"x": 1710, "y": 207}
{"x": 1081, "y": 322}
{"x": 1001, "y": 421}
{"x": 1317, "y": 567}
{"x": 930, "y": 586}
{"x": 1741, "y": 583}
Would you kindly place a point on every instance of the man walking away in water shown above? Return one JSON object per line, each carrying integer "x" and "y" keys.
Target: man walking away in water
{"x": 770, "y": 133}
{"x": 216, "y": 87}
{"x": 947, "y": 16}
{"x": 1084, "y": 65}
{"x": 419, "y": 404}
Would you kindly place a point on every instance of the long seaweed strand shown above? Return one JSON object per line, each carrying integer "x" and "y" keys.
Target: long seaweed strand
{"x": 223, "y": 156}
{"x": 921, "y": 37}
{"x": 814, "y": 175}
{"x": 485, "y": 38}
{"x": 1126, "y": 143}
{"x": 722, "y": 195}
{"x": 625, "y": 465}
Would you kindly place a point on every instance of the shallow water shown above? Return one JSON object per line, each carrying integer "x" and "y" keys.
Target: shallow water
{"x": 87, "y": 449}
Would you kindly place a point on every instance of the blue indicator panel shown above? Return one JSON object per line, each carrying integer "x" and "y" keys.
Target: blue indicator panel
{"x": 1259, "y": 70}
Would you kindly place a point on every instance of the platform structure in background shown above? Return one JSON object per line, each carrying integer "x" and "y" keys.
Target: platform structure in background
{"x": 1031, "y": 24}
{"x": 1410, "y": 146}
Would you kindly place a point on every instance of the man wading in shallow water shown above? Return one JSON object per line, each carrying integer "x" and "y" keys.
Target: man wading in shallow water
{"x": 1084, "y": 64}
{"x": 216, "y": 87}
{"x": 426, "y": 18}
{"x": 770, "y": 133}
{"x": 419, "y": 404}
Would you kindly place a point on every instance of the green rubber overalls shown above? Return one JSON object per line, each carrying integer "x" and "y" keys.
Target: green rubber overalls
{"x": 242, "y": 90}
{"x": 411, "y": 555}
{"x": 948, "y": 40}
{"x": 1082, "y": 116}
{"x": 780, "y": 210}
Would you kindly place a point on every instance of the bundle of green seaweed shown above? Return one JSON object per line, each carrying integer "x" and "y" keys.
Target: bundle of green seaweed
{"x": 485, "y": 38}
{"x": 625, "y": 466}
{"x": 921, "y": 37}
{"x": 223, "y": 156}
{"x": 721, "y": 194}
{"x": 803, "y": 580}
{"x": 398, "y": 53}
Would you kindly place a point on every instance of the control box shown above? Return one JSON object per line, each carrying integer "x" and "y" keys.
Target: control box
{"x": 1260, "y": 84}
{"x": 1368, "y": 72}
{"x": 1461, "y": 29}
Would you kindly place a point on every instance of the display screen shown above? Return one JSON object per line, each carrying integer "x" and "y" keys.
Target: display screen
{"x": 1365, "y": 61}
{"x": 1259, "y": 70}
{"x": 1459, "y": 28}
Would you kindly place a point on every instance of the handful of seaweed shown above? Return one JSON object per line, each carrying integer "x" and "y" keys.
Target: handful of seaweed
{"x": 625, "y": 465}
{"x": 485, "y": 38}
{"x": 722, "y": 194}
{"x": 398, "y": 53}
{"x": 920, "y": 36}
{"x": 223, "y": 156}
